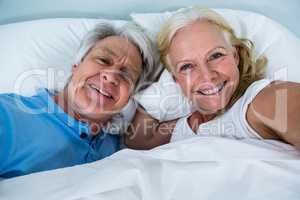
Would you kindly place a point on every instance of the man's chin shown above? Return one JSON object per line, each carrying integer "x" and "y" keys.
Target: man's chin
{"x": 92, "y": 113}
{"x": 96, "y": 116}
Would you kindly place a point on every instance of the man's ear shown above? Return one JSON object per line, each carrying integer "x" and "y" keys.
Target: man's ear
{"x": 74, "y": 68}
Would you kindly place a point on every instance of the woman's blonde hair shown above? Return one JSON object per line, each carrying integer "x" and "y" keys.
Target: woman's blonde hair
{"x": 250, "y": 69}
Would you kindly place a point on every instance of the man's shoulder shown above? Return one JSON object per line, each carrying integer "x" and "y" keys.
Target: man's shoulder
{"x": 10, "y": 100}
{"x": 11, "y": 103}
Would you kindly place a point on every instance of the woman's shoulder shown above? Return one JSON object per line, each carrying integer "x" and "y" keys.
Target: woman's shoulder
{"x": 240, "y": 107}
{"x": 267, "y": 111}
{"x": 238, "y": 113}
{"x": 255, "y": 88}
{"x": 264, "y": 93}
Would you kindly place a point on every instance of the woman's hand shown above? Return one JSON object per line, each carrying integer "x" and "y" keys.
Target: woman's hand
{"x": 145, "y": 132}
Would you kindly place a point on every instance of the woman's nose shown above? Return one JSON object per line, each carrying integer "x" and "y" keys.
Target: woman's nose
{"x": 204, "y": 73}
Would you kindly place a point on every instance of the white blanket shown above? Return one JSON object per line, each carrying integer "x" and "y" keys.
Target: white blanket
{"x": 198, "y": 168}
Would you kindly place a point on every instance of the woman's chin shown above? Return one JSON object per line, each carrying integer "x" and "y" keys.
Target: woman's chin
{"x": 209, "y": 109}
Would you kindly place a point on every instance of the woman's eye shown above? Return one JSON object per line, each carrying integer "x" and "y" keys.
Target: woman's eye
{"x": 186, "y": 67}
{"x": 216, "y": 56}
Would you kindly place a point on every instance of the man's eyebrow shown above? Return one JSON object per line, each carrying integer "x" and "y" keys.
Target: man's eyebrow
{"x": 135, "y": 69}
{"x": 107, "y": 50}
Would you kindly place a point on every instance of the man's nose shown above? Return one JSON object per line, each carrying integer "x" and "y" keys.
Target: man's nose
{"x": 111, "y": 77}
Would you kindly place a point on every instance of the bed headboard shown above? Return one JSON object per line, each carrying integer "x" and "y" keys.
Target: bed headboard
{"x": 285, "y": 12}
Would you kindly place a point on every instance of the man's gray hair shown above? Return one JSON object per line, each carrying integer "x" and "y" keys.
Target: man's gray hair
{"x": 151, "y": 68}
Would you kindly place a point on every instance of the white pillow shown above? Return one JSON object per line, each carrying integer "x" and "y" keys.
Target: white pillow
{"x": 164, "y": 101}
{"x": 40, "y": 53}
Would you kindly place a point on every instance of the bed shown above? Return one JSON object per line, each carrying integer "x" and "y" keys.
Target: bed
{"x": 206, "y": 168}
{"x": 197, "y": 168}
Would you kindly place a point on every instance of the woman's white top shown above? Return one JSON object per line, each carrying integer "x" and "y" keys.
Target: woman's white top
{"x": 232, "y": 124}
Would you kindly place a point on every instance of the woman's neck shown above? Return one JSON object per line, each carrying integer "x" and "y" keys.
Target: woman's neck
{"x": 197, "y": 118}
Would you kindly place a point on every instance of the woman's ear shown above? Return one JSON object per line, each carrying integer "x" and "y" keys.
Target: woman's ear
{"x": 236, "y": 55}
{"x": 174, "y": 78}
{"x": 172, "y": 72}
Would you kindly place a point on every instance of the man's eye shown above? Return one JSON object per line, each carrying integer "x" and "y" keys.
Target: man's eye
{"x": 104, "y": 61}
{"x": 125, "y": 75}
{"x": 186, "y": 67}
{"x": 216, "y": 56}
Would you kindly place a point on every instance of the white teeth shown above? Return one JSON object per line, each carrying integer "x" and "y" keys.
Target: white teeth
{"x": 100, "y": 91}
{"x": 104, "y": 93}
{"x": 212, "y": 91}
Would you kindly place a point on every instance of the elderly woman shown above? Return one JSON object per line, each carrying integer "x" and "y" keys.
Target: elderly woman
{"x": 217, "y": 72}
{"x": 53, "y": 130}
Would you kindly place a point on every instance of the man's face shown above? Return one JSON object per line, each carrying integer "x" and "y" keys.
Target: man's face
{"x": 102, "y": 83}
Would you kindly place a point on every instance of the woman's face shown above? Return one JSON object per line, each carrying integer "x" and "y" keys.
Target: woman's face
{"x": 204, "y": 64}
{"x": 102, "y": 83}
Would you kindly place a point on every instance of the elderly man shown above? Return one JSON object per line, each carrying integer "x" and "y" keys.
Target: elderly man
{"x": 58, "y": 129}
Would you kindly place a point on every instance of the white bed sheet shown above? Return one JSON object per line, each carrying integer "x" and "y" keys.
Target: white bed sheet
{"x": 198, "y": 168}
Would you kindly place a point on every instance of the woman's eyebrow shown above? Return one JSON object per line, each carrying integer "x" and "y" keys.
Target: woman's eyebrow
{"x": 207, "y": 53}
{"x": 181, "y": 61}
{"x": 216, "y": 48}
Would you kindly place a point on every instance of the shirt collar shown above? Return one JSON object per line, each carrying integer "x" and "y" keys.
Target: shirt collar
{"x": 53, "y": 108}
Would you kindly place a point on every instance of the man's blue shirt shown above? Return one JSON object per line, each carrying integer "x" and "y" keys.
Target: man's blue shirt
{"x": 37, "y": 135}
